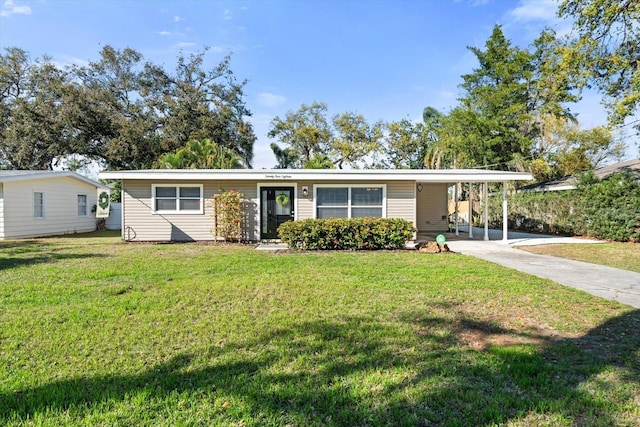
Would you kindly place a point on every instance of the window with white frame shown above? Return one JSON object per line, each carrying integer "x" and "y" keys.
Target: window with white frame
{"x": 82, "y": 205}
{"x": 38, "y": 204}
{"x": 354, "y": 201}
{"x": 186, "y": 199}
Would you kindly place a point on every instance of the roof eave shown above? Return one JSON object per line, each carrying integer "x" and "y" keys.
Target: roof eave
{"x": 425, "y": 175}
{"x": 52, "y": 174}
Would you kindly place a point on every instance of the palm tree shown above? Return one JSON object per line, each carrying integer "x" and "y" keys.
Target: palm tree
{"x": 203, "y": 154}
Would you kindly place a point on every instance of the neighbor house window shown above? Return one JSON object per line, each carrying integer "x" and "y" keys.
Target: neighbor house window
{"x": 38, "y": 204}
{"x": 350, "y": 202}
{"x": 177, "y": 199}
{"x": 82, "y": 205}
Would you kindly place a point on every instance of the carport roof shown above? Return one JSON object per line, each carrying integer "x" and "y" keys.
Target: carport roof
{"x": 417, "y": 175}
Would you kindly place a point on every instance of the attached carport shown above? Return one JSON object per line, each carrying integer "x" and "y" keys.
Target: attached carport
{"x": 473, "y": 177}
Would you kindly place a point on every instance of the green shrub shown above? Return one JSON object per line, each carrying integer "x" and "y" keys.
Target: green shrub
{"x": 610, "y": 208}
{"x": 552, "y": 212}
{"x": 228, "y": 215}
{"x": 347, "y": 233}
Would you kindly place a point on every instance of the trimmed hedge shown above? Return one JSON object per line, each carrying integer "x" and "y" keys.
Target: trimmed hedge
{"x": 347, "y": 233}
{"x": 610, "y": 208}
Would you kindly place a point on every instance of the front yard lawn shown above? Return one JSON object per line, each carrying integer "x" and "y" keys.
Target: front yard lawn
{"x": 98, "y": 332}
{"x": 619, "y": 255}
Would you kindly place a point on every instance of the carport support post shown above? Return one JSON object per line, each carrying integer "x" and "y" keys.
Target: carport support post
{"x": 470, "y": 197}
{"x": 505, "y": 215}
{"x": 455, "y": 213}
{"x": 485, "y": 190}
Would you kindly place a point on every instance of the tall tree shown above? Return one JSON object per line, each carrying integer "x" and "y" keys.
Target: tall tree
{"x": 505, "y": 103}
{"x": 498, "y": 93}
{"x": 120, "y": 109}
{"x": 606, "y": 50}
{"x": 197, "y": 103}
{"x": 33, "y": 131}
{"x": 409, "y": 145}
{"x": 566, "y": 149}
{"x": 110, "y": 113}
{"x": 355, "y": 142}
{"x": 305, "y": 132}
{"x": 310, "y": 140}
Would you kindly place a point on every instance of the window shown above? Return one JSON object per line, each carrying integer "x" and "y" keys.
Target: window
{"x": 350, "y": 202}
{"x": 38, "y": 204}
{"x": 82, "y": 205}
{"x": 186, "y": 199}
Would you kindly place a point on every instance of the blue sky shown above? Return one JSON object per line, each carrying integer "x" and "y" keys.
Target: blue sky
{"x": 384, "y": 59}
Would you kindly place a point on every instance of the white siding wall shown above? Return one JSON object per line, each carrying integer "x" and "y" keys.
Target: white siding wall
{"x": 432, "y": 205}
{"x": 140, "y": 223}
{"x": 1, "y": 211}
{"x": 60, "y": 207}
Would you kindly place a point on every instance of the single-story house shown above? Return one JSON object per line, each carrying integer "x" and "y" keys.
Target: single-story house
{"x": 570, "y": 182}
{"x": 36, "y": 203}
{"x": 175, "y": 205}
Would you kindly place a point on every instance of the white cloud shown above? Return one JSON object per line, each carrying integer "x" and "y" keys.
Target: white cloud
{"x": 535, "y": 10}
{"x": 185, "y": 44}
{"x": 227, "y": 15}
{"x": 10, "y": 8}
{"x": 530, "y": 17}
{"x": 164, "y": 33}
{"x": 271, "y": 100}
{"x": 66, "y": 61}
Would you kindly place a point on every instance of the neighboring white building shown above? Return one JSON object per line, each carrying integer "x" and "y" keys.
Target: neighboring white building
{"x": 45, "y": 203}
{"x": 570, "y": 182}
{"x": 175, "y": 205}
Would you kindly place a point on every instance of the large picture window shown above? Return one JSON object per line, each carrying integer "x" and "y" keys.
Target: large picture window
{"x": 186, "y": 199}
{"x": 350, "y": 201}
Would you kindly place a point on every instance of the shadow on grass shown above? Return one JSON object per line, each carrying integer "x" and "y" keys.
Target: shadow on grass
{"x": 19, "y": 253}
{"x": 354, "y": 372}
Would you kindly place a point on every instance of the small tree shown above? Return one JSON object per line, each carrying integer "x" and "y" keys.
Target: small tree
{"x": 228, "y": 215}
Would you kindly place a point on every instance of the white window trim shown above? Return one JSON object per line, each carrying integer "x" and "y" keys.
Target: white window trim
{"x": 86, "y": 205}
{"x": 349, "y": 206}
{"x": 33, "y": 201}
{"x": 177, "y": 211}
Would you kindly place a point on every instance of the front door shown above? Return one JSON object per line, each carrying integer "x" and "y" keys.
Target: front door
{"x": 276, "y": 207}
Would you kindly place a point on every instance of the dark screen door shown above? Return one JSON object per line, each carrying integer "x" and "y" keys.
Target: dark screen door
{"x": 276, "y": 207}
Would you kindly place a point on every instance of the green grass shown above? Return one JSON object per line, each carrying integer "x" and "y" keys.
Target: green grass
{"x": 619, "y": 255}
{"x": 97, "y": 332}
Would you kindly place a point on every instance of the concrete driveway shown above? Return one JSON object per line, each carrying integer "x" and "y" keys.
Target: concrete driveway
{"x": 606, "y": 282}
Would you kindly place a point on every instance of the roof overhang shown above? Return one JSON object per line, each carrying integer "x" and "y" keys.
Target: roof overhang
{"x": 421, "y": 175}
{"x": 25, "y": 175}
